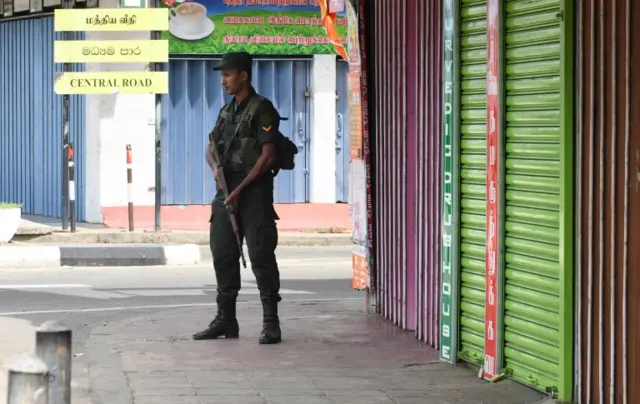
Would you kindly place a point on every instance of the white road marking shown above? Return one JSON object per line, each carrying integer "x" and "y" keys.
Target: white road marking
{"x": 48, "y": 286}
{"x": 282, "y": 292}
{"x": 164, "y": 306}
{"x": 90, "y": 292}
{"x": 161, "y": 292}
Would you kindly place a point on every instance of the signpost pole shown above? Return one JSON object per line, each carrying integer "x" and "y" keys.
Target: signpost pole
{"x": 157, "y": 67}
{"x": 66, "y": 67}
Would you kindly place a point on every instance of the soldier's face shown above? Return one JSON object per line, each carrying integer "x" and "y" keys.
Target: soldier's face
{"x": 233, "y": 80}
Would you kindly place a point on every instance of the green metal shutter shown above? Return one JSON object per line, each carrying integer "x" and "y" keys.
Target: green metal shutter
{"x": 473, "y": 133}
{"x": 534, "y": 267}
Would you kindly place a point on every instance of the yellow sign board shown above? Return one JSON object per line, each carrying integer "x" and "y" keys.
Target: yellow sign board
{"x": 101, "y": 19}
{"x": 111, "y": 51}
{"x": 112, "y": 82}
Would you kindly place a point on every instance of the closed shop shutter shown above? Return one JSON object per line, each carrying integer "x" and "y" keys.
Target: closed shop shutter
{"x": 535, "y": 270}
{"x": 194, "y": 100}
{"x": 473, "y": 103}
{"x": 31, "y": 120}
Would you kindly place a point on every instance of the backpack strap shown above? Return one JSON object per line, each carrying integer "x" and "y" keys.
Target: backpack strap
{"x": 251, "y": 109}
{"x": 247, "y": 116}
{"x": 223, "y": 114}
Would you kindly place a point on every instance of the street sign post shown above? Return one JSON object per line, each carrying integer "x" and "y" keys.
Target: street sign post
{"x": 133, "y": 15}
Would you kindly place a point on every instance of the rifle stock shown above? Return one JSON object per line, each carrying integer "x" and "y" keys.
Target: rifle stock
{"x": 217, "y": 161}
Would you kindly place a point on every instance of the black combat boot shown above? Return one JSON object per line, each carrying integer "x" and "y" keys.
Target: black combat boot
{"x": 271, "y": 333}
{"x": 224, "y": 325}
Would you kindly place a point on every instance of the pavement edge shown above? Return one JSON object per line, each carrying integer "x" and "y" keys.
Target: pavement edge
{"x": 29, "y": 256}
{"x": 122, "y": 255}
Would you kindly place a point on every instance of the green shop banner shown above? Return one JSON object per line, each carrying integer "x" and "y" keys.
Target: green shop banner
{"x": 260, "y": 27}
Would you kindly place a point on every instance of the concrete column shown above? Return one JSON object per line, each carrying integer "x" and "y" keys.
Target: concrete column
{"x": 323, "y": 130}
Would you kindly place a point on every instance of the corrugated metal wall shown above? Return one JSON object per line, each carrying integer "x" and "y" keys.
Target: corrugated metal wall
{"x": 407, "y": 176}
{"x": 31, "y": 120}
{"x": 391, "y": 157}
{"x": 608, "y": 280}
{"x": 190, "y": 110}
{"x": 427, "y": 17}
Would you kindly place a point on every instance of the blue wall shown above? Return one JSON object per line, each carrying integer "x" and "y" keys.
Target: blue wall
{"x": 31, "y": 121}
{"x": 189, "y": 113}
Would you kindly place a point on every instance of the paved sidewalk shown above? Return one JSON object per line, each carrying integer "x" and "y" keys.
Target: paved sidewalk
{"x": 332, "y": 353}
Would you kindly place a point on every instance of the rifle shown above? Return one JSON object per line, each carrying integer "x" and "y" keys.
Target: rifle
{"x": 217, "y": 161}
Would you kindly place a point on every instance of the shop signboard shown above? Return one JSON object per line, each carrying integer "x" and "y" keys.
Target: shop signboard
{"x": 337, "y": 6}
{"x": 358, "y": 201}
{"x": 360, "y": 272}
{"x": 448, "y": 307}
{"x": 353, "y": 82}
{"x": 491, "y": 258}
{"x": 260, "y": 27}
{"x": 355, "y": 114}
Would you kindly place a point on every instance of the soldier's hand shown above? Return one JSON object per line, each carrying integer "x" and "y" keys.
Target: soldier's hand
{"x": 232, "y": 200}
{"x": 217, "y": 177}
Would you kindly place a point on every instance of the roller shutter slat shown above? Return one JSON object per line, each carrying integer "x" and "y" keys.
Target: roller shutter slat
{"x": 532, "y": 191}
{"x": 473, "y": 146}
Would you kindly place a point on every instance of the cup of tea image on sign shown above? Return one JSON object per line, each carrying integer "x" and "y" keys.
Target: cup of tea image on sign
{"x": 292, "y": 27}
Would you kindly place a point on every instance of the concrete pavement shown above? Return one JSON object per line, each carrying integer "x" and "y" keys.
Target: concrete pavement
{"x": 331, "y": 353}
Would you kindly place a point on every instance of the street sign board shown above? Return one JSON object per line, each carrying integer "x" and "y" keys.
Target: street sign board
{"x": 141, "y": 19}
{"x": 112, "y": 83}
{"x": 131, "y": 51}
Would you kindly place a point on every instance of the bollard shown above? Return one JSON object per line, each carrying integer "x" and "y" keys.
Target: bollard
{"x": 53, "y": 346}
{"x": 130, "y": 186}
{"x": 28, "y": 381}
{"x": 72, "y": 187}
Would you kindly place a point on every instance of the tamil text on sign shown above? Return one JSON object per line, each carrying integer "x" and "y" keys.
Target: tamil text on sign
{"x": 260, "y": 27}
{"x": 143, "y": 19}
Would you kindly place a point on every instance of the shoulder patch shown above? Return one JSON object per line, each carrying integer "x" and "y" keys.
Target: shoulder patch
{"x": 266, "y": 120}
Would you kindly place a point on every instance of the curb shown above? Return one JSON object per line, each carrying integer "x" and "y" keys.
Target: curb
{"x": 98, "y": 255}
{"x": 176, "y": 238}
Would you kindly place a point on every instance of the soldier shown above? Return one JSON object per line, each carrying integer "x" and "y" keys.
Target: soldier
{"x": 244, "y": 137}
